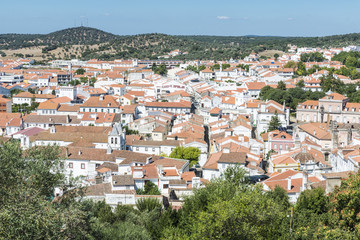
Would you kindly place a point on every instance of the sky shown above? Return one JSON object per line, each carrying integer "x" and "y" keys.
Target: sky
{"x": 196, "y": 17}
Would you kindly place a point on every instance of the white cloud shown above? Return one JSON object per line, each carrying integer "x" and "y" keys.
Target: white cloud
{"x": 223, "y": 17}
{"x": 290, "y": 19}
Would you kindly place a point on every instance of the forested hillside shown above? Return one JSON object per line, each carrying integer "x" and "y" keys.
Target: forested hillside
{"x": 70, "y": 36}
{"x": 95, "y": 43}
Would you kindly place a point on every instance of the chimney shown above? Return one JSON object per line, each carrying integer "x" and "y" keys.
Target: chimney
{"x": 305, "y": 180}
{"x": 79, "y": 153}
{"x": 289, "y": 184}
{"x": 226, "y": 150}
{"x": 67, "y": 118}
{"x": 98, "y": 180}
{"x": 109, "y": 150}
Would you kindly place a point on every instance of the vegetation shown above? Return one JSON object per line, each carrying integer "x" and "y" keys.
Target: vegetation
{"x": 227, "y": 208}
{"x": 70, "y": 36}
{"x": 161, "y": 69}
{"x": 95, "y": 43}
{"x": 25, "y": 107}
{"x": 274, "y": 122}
{"x": 149, "y": 189}
{"x": 189, "y": 153}
{"x": 312, "y": 57}
{"x": 195, "y": 69}
{"x": 292, "y": 96}
{"x": 130, "y": 131}
{"x": 148, "y": 204}
{"x": 80, "y": 71}
{"x": 27, "y": 183}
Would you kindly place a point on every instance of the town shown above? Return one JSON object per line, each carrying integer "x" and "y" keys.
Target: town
{"x": 162, "y": 129}
{"x": 124, "y": 124}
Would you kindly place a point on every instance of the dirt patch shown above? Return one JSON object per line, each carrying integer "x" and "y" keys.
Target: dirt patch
{"x": 270, "y": 53}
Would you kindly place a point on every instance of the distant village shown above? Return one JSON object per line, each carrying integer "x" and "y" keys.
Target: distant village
{"x": 119, "y": 123}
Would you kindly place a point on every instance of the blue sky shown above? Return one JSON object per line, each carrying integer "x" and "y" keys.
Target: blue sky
{"x": 196, "y": 17}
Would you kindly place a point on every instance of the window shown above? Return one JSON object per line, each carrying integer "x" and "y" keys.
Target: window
{"x": 153, "y": 149}
{"x": 112, "y": 140}
{"x": 275, "y": 146}
{"x": 146, "y": 149}
{"x": 83, "y": 166}
{"x": 137, "y": 148}
{"x": 115, "y": 140}
{"x": 280, "y": 146}
{"x": 286, "y": 147}
{"x": 71, "y": 165}
{"x": 165, "y": 186}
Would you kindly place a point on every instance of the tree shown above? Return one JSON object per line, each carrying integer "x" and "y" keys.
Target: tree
{"x": 276, "y": 56}
{"x": 280, "y": 196}
{"x": 345, "y": 204}
{"x": 80, "y": 71}
{"x": 351, "y": 62}
{"x": 274, "y": 122}
{"x": 148, "y": 204}
{"x": 301, "y": 69}
{"x": 300, "y": 83}
{"x": 281, "y": 85}
{"x": 161, "y": 69}
{"x": 149, "y": 189}
{"x": 189, "y": 153}
{"x": 27, "y": 184}
{"x": 290, "y": 64}
{"x": 312, "y": 57}
{"x": 229, "y": 208}
{"x": 313, "y": 200}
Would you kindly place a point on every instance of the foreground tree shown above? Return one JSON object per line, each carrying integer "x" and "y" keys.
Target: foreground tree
{"x": 27, "y": 184}
{"x": 229, "y": 208}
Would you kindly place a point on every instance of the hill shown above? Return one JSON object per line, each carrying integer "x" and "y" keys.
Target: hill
{"x": 70, "y": 36}
{"x": 86, "y": 43}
